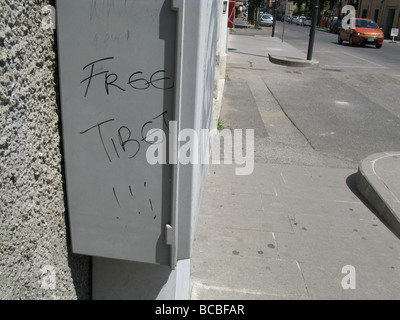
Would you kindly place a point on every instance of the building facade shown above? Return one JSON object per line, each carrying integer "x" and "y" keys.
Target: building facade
{"x": 384, "y": 12}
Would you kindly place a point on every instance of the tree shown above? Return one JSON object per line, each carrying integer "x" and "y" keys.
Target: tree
{"x": 305, "y": 7}
{"x": 254, "y": 9}
{"x": 299, "y": 5}
{"x": 250, "y": 13}
{"x": 322, "y": 6}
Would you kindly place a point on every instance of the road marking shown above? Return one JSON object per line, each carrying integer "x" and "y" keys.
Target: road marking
{"x": 343, "y": 103}
{"x": 343, "y": 201}
{"x": 369, "y": 61}
{"x": 352, "y": 67}
{"x": 283, "y": 178}
{"x": 327, "y": 134}
{"x": 374, "y": 64}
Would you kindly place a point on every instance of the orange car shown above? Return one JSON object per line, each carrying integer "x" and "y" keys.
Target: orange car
{"x": 362, "y": 31}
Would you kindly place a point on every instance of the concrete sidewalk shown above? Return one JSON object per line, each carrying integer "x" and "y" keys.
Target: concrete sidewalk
{"x": 288, "y": 230}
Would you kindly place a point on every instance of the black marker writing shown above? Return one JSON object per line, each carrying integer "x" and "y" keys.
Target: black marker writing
{"x": 158, "y": 79}
{"x": 126, "y": 140}
{"x": 115, "y": 148}
{"x": 112, "y": 82}
{"x": 123, "y": 194}
{"x": 116, "y": 198}
{"x": 144, "y": 137}
{"x": 100, "y": 134}
{"x": 89, "y": 79}
{"x": 153, "y": 81}
{"x": 123, "y": 142}
{"x": 145, "y": 83}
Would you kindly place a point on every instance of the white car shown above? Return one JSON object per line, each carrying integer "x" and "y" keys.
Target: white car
{"x": 295, "y": 19}
{"x": 307, "y": 22}
{"x": 300, "y": 21}
{"x": 267, "y": 20}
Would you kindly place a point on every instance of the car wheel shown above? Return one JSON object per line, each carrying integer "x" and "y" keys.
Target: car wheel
{"x": 351, "y": 43}
{"x": 339, "y": 40}
{"x": 378, "y": 46}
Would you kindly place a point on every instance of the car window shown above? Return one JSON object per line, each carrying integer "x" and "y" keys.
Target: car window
{"x": 366, "y": 24}
{"x": 372, "y": 24}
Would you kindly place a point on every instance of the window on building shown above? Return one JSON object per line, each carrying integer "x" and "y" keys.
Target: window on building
{"x": 376, "y": 15}
{"x": 364, "y": 13}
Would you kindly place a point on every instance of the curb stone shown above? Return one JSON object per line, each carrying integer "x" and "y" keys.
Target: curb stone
{"x": 292, "y": 62}
{"x": 374, "y": 189}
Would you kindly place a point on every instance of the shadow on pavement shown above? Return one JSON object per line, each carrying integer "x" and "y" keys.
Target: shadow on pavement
{"x": 351, "y": 184}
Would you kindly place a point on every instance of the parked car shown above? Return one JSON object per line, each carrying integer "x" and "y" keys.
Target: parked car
{"x": 335, "y": 26}
{"x": 362, "y": 31}
{"x": 294, "y": 19}
{"x": 288, "y": 18}
{"x": 267, "y": 20}
{"x": 307, "y": 21}
{"x": 300, "y": 20}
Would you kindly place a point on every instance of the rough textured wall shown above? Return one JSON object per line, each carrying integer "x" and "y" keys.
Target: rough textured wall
{"x": 35, "y": 258}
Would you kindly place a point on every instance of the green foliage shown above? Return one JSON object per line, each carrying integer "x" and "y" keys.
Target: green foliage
{"x": 220, "y": 125}
{"x": 305, "y": 7}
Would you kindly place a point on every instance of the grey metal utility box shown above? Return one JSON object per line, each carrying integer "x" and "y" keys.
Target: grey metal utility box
{"x": 119, "y": 65}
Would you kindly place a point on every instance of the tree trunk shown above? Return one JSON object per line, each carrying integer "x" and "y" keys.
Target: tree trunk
{"x": 250, "y": 14}
{"x": 257, "y": 17}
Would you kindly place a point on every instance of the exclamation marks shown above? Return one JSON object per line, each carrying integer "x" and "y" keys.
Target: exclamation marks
{"x": 132, "y": 196}
{"x": 116, "y": 198}
{"x": 150, "y": 202}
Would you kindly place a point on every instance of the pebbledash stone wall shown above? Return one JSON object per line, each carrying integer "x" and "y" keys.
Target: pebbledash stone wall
{"x": 35, "y": 255}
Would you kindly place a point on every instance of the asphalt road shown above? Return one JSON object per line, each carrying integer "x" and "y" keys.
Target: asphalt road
{"x": 332, "y": 55}
{"x": 349, "y": 106}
